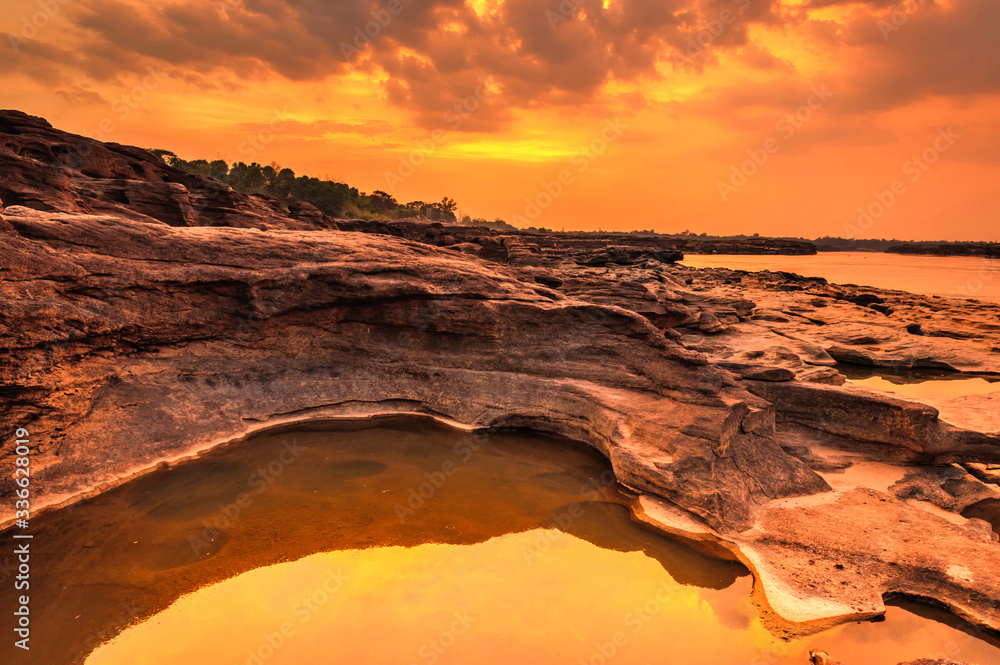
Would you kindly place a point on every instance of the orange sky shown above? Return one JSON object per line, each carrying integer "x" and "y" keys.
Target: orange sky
{"x": 651, "y": 113}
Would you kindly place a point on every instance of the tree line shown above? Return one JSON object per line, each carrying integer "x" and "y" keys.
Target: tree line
{"x": 336, "y": 199}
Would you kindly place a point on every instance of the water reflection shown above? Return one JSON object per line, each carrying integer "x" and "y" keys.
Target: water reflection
{"x": 945, "y": 276}
{"x": 900, "y": 376}
{"x": 931, "y": 389}
{"x": 527, "y": 534}
{"x": 919, "y": 383}
{"x": 541, "y": 596}
{"x": 129, "y": 553}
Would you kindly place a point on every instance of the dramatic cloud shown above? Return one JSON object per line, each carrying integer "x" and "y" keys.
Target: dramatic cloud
{"x": 502, "y": 82}
{"x": 436, "y": 54}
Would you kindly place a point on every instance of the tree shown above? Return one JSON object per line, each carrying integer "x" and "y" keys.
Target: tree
{"x": 443, "y": 211}
{"x": 219, "y": 170}
{"x": 383, "y": 201}
{"x": 281, "y": 186}
{"x": 330, "y": 197}
{"x": 333, "y": 198}
{"x": 166, "y": 156}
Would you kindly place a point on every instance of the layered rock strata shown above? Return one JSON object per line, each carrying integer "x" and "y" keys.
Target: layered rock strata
{"x": 149, "y": 315}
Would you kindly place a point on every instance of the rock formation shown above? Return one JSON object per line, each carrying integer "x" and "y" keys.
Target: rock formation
{"x": 150, "y": 314}
{"x": 987, "y": 249}
{"x": 177, "y": 338}
{"x": 47, "y": 169}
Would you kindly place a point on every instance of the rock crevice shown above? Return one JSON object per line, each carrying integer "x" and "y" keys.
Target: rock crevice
{"x": 144, "y": 322}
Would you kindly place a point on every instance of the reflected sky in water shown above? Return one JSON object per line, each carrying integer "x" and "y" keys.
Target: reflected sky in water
{"x": 940, "y": 389}
{"x": 540, "y": 596}
{"x": 324, "y": 544}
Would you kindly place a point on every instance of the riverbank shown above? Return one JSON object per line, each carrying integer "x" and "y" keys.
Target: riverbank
{"x": 713, "y": 393}
{"x": 958, "y": 278}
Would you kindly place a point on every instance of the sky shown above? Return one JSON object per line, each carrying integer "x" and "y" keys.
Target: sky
{"x": 801, "y": 118}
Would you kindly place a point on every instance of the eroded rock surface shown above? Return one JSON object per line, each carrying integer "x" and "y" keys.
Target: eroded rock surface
{"x": 136, "y": 331}
{"x": 860, "y": 547}
{"x": 47, "y": 169}
{"x": 139, "y": 342}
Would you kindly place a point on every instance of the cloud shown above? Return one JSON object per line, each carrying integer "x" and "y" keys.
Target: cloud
{"x": 249, "y": 41}
{"x": 816, "y": 4}
{"x": 762, "y": 58}
{"x": 36, "y": 59}
{"x": 434, "y": 52}
{"x": 440, "y": 56}
{"x": 933, "y": 51}
{"x": 80, "y": 95}
{"x": 320, "y": 128}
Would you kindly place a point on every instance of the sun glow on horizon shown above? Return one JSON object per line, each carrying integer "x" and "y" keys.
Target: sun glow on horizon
{"x": 699, "y": 96}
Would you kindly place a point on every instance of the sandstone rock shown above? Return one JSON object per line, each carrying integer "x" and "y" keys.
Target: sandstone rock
{"x": 141, "y": 335}
{"x": 551, "y": 282}
{"x": 310, "y": 215}
{"x": 759, "y": 372}
{"x": 857, "y": 546}
{"x": 880, "y": 418}
{"x": 817, "y": 657}
{"x": 851, "y": 333}
{"x": 47, "y": 169}
{"x": 180, "y": 338}
{"x": 710, "y": 323}
{"x": 949, "y": 487}
{"x": 988, "y": 473}
{"x": 826, "y": 375}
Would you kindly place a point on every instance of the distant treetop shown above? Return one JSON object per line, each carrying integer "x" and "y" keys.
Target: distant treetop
{"x": 335, "y": 199}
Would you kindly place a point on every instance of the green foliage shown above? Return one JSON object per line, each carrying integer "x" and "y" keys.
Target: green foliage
{"x": 497, "y": 223}
{"x": 165, "y": 156}
{"x": 443, "y": 211}
{"x": 334, "y": 198}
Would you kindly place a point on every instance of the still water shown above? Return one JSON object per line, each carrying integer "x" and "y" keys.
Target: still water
{"x": 945, "y": 276}
{"x": 918, "y": 384}
{"x": 406, "y": 543}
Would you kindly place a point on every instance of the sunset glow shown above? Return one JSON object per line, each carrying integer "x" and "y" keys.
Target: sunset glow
{"x": 488, "y": 603}
{"x": 737, "y": 116}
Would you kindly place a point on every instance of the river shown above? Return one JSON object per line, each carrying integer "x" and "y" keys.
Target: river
{"x": 946, "y": 276}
